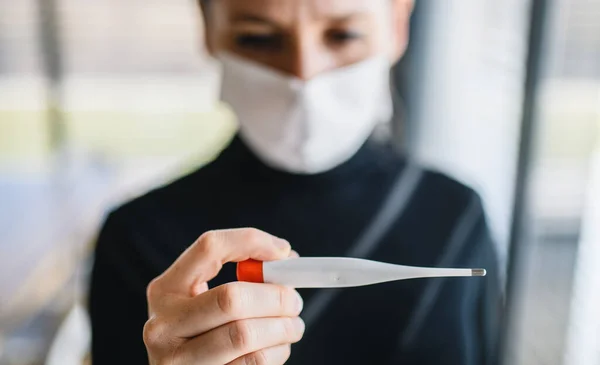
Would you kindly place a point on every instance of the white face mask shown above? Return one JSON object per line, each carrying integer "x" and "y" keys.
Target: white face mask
{"x": 307, "y": 126}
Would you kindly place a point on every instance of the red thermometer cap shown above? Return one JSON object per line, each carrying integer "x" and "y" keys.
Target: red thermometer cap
{"x": 250, "y": 271}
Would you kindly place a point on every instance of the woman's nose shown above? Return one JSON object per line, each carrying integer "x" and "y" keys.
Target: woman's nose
{"x": 308, "y": 60}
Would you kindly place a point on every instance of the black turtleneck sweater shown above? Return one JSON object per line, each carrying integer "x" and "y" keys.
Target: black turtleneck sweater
{"x": 427, "y": 321}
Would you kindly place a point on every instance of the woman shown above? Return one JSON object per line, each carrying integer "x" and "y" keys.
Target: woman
{"x": 309, "y": 82}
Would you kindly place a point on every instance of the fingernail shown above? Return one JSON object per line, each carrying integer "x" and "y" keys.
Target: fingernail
{"x": 299, "y": 302}
{"x": 282, "y": 244}
{"x": 299, "y": 324}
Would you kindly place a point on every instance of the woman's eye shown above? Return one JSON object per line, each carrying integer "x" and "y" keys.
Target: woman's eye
{"x": 341, "y": 37}
{"x": 259, "y": 42}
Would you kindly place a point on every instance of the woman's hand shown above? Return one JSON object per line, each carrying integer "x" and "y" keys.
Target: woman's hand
{"x": 236, "y": 323}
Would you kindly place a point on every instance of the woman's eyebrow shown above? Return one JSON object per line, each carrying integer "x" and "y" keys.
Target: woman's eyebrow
{"x": 252, "y": 18}
{"x": 347, "y": 17}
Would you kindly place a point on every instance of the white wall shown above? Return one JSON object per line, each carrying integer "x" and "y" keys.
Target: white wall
{"x": 583, "y": 341}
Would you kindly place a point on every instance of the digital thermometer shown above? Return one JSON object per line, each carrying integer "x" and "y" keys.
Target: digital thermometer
{"x": 337, "y": 272}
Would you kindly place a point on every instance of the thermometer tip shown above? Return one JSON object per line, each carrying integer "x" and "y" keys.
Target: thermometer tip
{"x": 478, "y": 272}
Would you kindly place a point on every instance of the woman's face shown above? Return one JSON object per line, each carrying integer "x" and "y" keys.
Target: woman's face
{"x": 303, "y": 38}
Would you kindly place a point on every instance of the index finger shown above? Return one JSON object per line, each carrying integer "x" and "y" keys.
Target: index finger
{"x": 203, "y": 260}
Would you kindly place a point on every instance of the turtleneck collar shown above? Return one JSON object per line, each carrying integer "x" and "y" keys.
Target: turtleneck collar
{"x": 250, "y": 166}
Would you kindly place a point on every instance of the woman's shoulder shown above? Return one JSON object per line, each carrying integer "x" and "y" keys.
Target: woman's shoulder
{"x": 168, "y": 199}
{"x": 447, "y": 198}
{"x": 443, "y": 184}
{"x": 439, "y": 186}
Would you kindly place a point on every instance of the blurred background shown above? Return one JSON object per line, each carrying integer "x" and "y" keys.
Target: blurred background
{"x": 102, "y": 100}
